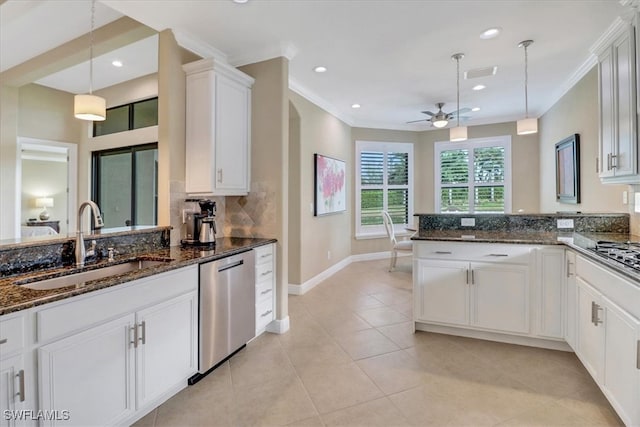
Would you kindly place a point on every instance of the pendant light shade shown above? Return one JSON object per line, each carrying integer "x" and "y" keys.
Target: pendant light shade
{"x": 90, "y": 107}
{"x": 458, "y": 133}
{"x": 526, "y": 126}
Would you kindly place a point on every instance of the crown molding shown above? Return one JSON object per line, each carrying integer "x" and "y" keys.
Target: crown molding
{"x": 286, "y": 50}
{"x": 616, "y": 28}
{"x": 319, "y": 101}
{"x": 199, "y": 47}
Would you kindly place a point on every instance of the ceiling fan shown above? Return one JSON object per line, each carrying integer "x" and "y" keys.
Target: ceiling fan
{"x": 441, "y": 119}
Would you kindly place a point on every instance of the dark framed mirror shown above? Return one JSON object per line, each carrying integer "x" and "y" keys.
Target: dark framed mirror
{"x": 568, "y": 170}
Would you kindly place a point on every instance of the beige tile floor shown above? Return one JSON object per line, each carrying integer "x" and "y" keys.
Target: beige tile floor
{"x": 351, "y": 359}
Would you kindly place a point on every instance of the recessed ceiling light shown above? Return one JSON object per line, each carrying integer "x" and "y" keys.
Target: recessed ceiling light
{"x": 355, "y": 105}
{"x": 240, "y": 1}
{"x": 475, "y": 109}
{"x": 490, "y": 33}
{"x": 320, "y": 69}
{"x": 116, "y": 63}
{"x": 479, "y": 87}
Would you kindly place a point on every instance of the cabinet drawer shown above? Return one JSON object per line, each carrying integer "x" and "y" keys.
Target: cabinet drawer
{"x": 483, "y": 252}
{"x": 264, "y": 290}
{"x": 264, "y": 314}
{"x": 264, "y": 254}
{"x": 11, "y": 335}
{"x": 264, "y": 272}
{"x": 84, "y": 311}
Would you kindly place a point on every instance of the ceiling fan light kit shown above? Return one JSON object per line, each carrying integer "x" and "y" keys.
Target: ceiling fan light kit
{"x": 458, "y": 133}
{"x": 90, "y": 107}
{"x": 526, "y": 126}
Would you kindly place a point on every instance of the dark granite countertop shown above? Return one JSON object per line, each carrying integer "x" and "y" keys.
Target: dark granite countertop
{"x": 14, "y": 297}
{"x": 580, "y": 242}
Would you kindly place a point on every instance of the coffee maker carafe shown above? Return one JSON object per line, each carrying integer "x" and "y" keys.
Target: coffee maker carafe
{"x": 207, "y": 223}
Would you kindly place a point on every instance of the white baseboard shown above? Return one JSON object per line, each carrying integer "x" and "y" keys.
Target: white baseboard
{"x": 494, "y": 336}
{"x": 314, "y": 281}
{"x": 278, "y": 326}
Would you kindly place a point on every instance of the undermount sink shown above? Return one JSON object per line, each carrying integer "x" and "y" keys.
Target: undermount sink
{"x": 85, "y": 276}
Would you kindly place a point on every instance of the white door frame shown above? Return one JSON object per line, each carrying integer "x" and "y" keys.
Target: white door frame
{"x": 72, "y": 176}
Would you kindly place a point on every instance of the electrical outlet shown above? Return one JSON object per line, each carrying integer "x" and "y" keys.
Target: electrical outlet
{"x": 467, "y": 222}
{"x": 565, "y": 223}
{"x": 636, "y": 205}
{"x": 625, "y": 198}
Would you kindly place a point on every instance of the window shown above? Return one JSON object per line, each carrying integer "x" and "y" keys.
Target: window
{"x": 128, "y": 117}
{"x": 384, "y": 172}
{"x": 473, "y": 176}
{"x": 125, "y": 185}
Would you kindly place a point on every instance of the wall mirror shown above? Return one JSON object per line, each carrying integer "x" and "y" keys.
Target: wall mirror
{"x": 568, "y": 170}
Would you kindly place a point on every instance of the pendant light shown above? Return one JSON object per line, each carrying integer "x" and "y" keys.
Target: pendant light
{"x": 90, "y": 107}
{"x": 458, "y": 133}
{"x": 527, "y": 125}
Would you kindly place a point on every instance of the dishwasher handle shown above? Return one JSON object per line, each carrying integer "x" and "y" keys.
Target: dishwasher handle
{"x": 230, "y": 266}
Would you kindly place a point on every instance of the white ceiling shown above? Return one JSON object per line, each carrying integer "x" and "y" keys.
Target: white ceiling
{"x": 391, "y": 56}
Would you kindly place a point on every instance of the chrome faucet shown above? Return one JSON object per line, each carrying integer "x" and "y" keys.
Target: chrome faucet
{"x": 97, "y": 218}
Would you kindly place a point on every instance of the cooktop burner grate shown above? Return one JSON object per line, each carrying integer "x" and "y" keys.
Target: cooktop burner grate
{"x": 624, "y": 253}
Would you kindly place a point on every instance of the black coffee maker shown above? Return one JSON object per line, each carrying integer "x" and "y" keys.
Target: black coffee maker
{"x": 207, "y": 226}
{"x": 201, "y": 227}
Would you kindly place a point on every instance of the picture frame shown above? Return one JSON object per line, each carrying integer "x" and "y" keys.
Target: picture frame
{"x": 329, "y": 185}
{"x": 568, "y": 170}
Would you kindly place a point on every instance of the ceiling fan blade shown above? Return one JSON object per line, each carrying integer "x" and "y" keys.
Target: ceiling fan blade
{"x": 460, "y": 111}
{"x": 421, "y": 120}
{"x": 428, "y": 112}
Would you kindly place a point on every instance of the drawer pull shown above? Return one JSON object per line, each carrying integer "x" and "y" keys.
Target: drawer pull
{"x": 498, "y": 255}
{"x": 595, "y": 319}
{"x": 266, "y": 313}
{"x": 266, "y": 273}
{"x": 20, "y": 392}
{"x": 266, "y": 291}
{"x": 265, "y": 255}
{"x": 443, "y": 252}
{"x": 3, "y": 341}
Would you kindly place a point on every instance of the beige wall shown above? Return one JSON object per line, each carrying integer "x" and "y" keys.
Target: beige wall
{"x": 47, "y": 113}
{"x": 576, "y": 112}
{"x": 9, "y": 220}
{"x": 323, "y": 240}
{"x": 364, "y": 246}
{"x": 269, "y": 164}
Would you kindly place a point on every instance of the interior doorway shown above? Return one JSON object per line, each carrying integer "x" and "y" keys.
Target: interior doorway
{"x": 47, "y": 187}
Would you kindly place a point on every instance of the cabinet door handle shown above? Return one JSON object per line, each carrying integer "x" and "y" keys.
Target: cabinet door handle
{"x": 266, "y": 273}
{"x": 595, "y": 319}
{"x": 498, "y": 255}
{"x": 608, "y": 161}
{"x": 134, "y": 329}
{"x": 3, "y": 341}
{"x": 266, "y": 291}
{"x": 220, "y": 175}
{"x": 614, "y": 161}
{"x": 266, "y": 313}
{"x": 443, "y": 252}
{"x": 143, "y": 333}
{"x": 466, "y": 275}
{"x": 597, "y": 165}
{"x": 20, "y": 392}
{"x": 638, "y": 355}
{"x": 569, "y": 264}
{"x": 473, "y": 277}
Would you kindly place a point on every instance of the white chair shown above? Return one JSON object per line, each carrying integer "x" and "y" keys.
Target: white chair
{"x": 402, "y": 245}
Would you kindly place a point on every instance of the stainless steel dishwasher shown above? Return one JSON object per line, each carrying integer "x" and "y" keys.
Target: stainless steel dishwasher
{"x": 227, "y": 309}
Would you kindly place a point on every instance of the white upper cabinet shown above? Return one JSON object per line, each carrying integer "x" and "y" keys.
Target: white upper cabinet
{"x": 617, "y": 85}
{"x": 218, "y": 129}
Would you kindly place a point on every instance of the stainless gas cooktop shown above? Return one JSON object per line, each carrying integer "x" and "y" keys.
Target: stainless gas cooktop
{"x": 625, "y": 253}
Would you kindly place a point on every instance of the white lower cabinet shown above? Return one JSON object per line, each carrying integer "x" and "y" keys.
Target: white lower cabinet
{"x": 90, "y": 375}
{"x": 127, "y": 360}
{"x": 484, "y": 295}
{"x": 608, "y": 336}
{"x": 12, "y": 390}
{"x": 265, "y": 257}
